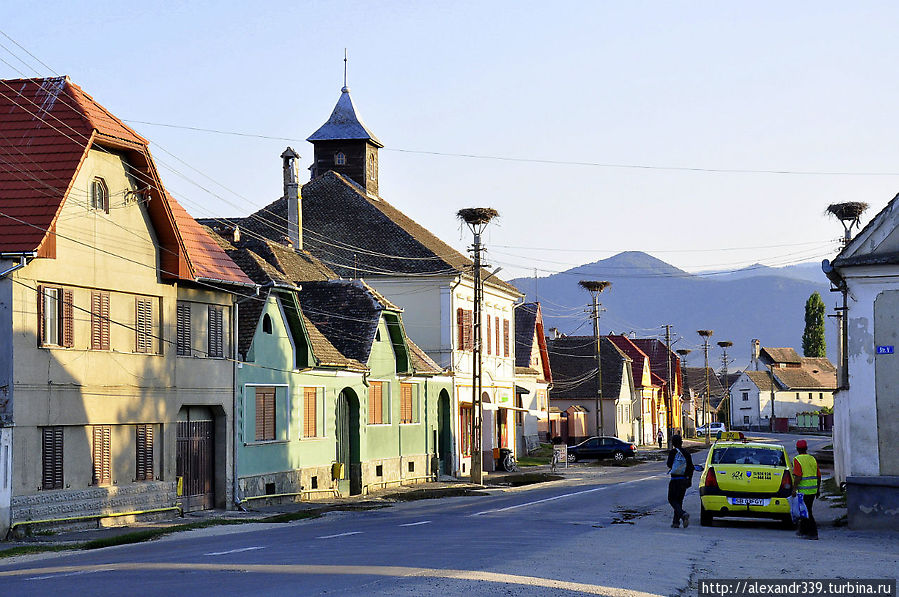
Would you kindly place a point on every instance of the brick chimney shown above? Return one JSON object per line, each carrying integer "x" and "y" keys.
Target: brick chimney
{"x": 292, "y": 196}
{"x": 755, "y": 350}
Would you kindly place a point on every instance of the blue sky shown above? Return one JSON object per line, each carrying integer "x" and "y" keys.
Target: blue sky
{"x": 805, "y": 86}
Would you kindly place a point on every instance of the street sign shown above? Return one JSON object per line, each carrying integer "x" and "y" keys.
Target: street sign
{"x": 884, "y": 350}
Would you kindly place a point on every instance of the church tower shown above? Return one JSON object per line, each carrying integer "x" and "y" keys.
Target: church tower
{"x": 344, "y": 144}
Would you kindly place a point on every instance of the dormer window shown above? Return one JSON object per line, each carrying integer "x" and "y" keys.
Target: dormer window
{"x": 340, "y": 158}
{"x": 99, "y": 195}
{"x": 266, "y": 324}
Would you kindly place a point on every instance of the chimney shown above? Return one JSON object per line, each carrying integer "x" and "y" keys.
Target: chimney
{"x": 292, "y": 195}
{"x": 554, "y": 333}
{"x": 754, "y": 351}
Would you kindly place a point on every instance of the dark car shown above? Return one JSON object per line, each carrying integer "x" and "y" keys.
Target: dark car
{"x": 602, "y": 447}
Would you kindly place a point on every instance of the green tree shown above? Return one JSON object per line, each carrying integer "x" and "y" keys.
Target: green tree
{"x": 813, "y": 342}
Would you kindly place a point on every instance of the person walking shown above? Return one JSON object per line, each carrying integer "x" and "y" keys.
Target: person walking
{"x": 680, "y": 467}
{"x": 807, "y": 483}
{"x": 660, "y": 437}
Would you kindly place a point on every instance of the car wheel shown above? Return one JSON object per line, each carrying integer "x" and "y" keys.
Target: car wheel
{"x": 618, "y": 456}
{"x": 705, "y": 517}
{"x": 572, "y": 458}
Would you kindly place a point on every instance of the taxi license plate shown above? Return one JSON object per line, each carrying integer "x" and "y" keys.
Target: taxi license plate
{"x": 749, "y": 501}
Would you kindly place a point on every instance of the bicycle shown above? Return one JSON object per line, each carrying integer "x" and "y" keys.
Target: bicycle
{"x": 508, "y": 462}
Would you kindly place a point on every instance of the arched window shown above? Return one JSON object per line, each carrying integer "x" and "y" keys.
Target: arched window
{"x": 267, "y": 324}
{"x": 340, "y": 158}
{"x": 99, "y": 195}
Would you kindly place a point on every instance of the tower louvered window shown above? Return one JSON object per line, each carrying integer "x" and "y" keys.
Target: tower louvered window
{"x": 144, "y": 453}
{"x": 265, "y": 414}
{"x": 183, "y": 333}
{"x": 99, "y": 320}
{"x": 101, "y": 455}
{"x": 216, "y": 338}
{"x": 51, "y": 458}
{"x": 143, "y": 325}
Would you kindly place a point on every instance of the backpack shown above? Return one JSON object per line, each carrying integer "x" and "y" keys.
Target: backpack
{"x": 679, "y": 467}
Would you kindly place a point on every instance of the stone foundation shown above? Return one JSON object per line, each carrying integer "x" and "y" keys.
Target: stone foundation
{"x": 873, "y": 502}
{"x": 294, "y": 481}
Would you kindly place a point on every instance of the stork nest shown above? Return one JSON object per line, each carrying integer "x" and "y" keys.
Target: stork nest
{"x": 594, "y": 286}
{"x": 705, "y": 333}
{"x": 477, "y": 215}
{"x": 849, "y": 211}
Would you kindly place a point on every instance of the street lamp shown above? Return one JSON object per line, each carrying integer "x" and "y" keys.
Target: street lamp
{"x": 477, "y": 219}
{"x": 595, "y": 287}
{"x": 683, "y": 352}
{"x": 725, "y": 344}
{"x": 706, "y": 334}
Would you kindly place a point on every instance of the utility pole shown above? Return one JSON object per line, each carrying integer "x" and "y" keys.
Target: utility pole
{"x": 683, "y": 352}
{"x": 668, "y": 399}
{"x": 595, "y": 287}
{"x": 725, "y": 344}
{"x": 705, "y": 404}
{"x": 477, "y": 219}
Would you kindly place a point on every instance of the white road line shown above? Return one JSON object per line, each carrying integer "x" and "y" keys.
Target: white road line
{"x": 223, "y": 553}
{"x": 565, "y": 495}
{"x": 415, "y": 524}
{"x": 340, "y": 535}
{"x": 78, "y": 573}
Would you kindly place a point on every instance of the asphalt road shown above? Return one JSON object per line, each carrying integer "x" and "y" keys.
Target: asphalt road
{"x": 604, "y": 530}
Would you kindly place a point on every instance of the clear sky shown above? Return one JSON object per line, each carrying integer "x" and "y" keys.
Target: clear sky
{"x": 799, "y": 87}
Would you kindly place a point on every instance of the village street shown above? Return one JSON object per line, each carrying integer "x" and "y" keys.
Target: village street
{"x": 600, "y": 530}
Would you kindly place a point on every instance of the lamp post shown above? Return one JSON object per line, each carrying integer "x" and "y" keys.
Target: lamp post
{"x": 477, "y": 219}
{"x": 595, "y": 287}
{"x": 725, "y": 344}
{"x": 706, "y": 334}
{"x": 683, "y": 352}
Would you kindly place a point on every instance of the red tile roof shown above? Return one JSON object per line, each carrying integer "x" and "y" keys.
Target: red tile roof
{"x": 46, "y": 129}
{"x": 638, "y": 356}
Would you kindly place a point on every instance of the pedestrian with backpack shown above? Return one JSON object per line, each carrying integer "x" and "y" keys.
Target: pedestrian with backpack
{"x": 680, "y": 468}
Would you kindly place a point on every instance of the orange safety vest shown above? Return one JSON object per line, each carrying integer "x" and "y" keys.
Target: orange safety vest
{"x": 808, "y": 482}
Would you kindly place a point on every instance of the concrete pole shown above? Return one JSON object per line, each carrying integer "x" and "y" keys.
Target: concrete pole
{"x": 477, "y": 452}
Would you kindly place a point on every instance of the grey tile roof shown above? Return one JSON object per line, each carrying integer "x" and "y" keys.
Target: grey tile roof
{"x": 422, "y": 364}
{"x": 695, "y": 380}
{"x": 344, "y": 123}
{"x": 525, "y": 330}
{"x": 573, "y": 358}
{"x": 345, "y": 312}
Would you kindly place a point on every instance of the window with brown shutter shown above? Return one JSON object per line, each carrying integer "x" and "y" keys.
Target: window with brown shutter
{"x": 216, "y": 340}
{"x": 310, "y": 408}
{"x": 468, "y": 340}
{"x": 183, "y": 333}
{"x": 496, "y": 320}
{"x": 375, "y": 403}
{"x": 465, "y": 421}
{"x": 143, "y": 325}
{"x": 505, "y": 337}
{"x": 406, "y": 403}
{"x": 56, "y": 323}
{"x": 51, "y": 458}
{"x": 460, "y": 328}
{"x": 489, "y": 336}
{"x": 99, "y": 320}
{"x": 265, "y": 414}
{"x": 144, "y": 453}
{"x": 101, "y": 455}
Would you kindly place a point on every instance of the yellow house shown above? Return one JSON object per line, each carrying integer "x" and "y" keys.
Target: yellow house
{"x": 116, "y": 377}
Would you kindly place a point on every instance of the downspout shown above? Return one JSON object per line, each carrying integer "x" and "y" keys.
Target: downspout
{"x": 22, "y": 263}
{"x": 236, "y": 356}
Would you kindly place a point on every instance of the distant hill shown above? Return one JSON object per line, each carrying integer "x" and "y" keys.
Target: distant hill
{"x": 810, "y": 272}
{"x": 762, "y": 302}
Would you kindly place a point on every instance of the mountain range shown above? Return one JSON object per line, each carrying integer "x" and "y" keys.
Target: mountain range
{"x": 647, "y": 293}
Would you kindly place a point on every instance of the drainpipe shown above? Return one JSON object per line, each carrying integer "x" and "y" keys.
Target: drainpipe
{"x": 22, "y": 263}
{"x": 236, "y": 356}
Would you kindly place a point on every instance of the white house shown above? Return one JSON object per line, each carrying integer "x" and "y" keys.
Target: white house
{"x": 866, "y": 428}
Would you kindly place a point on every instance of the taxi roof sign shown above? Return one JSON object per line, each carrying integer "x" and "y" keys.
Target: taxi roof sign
{"x": 730, "y": 436}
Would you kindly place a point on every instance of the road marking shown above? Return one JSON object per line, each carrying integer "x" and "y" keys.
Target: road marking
{"x": 223, "y": 553}
{"x": 340, "y": 535}
{"x": 415, "y": 524}
{"x": 79, "y": 572}
{"x": 397, "y": 571}
{"x": 565, "y": 495}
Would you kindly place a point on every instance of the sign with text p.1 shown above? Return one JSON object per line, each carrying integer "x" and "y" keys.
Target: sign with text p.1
{"x": 884, "y": 350}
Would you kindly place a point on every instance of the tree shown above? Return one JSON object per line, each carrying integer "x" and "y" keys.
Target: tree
{"x": 813, "y": 342}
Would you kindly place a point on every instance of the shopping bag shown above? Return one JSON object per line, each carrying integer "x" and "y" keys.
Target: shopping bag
{"x": 797, "y": 507}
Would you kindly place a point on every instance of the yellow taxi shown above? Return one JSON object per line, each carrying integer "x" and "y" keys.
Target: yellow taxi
{"x": 745, "y": 479}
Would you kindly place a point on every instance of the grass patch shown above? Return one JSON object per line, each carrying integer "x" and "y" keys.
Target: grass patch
{"x": 539, "y": 457}
{"x": 23, "y": 550}
{"x": 830, "y": 487}
{"x": 431, "y": 494}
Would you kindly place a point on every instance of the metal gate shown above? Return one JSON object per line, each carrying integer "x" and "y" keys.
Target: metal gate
{"x": 195, "y": 460}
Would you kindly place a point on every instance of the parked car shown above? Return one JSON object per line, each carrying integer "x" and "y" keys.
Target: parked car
{"x": 602, "y": 447}
{"x": 745, "y": 479}
{"x": 713, "y": 428}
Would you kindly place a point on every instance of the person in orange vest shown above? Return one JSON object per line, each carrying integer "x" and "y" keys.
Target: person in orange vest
{"x": 806, "y": 482}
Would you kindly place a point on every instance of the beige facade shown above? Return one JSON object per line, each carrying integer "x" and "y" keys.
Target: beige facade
{"x": 93, "y": 364}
